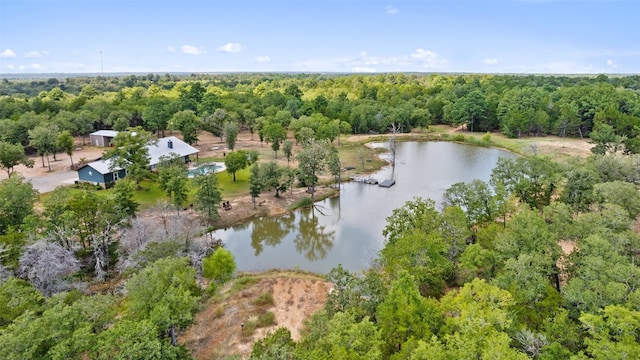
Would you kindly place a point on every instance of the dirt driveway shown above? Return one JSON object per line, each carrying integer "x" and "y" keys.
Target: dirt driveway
{"x": 61, "y": 174}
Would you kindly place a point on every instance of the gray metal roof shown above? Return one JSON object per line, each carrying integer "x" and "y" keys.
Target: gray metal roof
{"x": 161, "y": 148}
{"x": 156, "y": 151}
{"x": 102, "y": 166}
{"x": 109, "y": 133}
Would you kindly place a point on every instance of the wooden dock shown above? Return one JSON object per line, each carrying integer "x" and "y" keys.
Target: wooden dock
{"x": 370, "y": 181}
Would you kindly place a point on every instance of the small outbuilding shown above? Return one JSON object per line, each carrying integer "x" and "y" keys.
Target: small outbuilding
{"x": 99, "y": 172}
{"x": 102, "y": 138}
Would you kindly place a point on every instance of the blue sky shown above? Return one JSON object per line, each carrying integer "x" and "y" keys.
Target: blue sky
{"x": 482, "y": 36}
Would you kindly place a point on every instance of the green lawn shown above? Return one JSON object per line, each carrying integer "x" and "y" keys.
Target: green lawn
{"x": 149, "y": 194}
{"x": 233, "y": 188}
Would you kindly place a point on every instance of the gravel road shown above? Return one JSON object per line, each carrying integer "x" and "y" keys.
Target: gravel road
{"x": 47, "y": 183}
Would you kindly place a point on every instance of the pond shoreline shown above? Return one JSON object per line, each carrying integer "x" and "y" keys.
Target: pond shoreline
{"x": 242, "y": 206}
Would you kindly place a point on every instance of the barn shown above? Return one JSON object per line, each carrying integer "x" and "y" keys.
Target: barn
{"x": 102, "y": 138}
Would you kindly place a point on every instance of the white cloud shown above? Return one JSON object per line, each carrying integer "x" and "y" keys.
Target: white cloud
{"x": 419, "y": 60}
{"x": 192, "y": 50}
{"x": 491, "y": 61}
{"x": 171, "y": 49}
{"x": 612, "y": 63}
{"x": 8, "y": 53}
{"x": 231, "y": 48}
{"x": 36, "y": 54}
{"x": 424, "y": 58}
{"x": 391, "y": 10}
{"x": 359, "y": 69}
{"x": 37, "y": 67}
{"x": 262, "y": 59}
{"x": 10, "y": 67}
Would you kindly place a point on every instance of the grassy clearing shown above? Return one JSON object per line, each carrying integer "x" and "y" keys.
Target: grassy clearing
{"x": 363, "y": 158}
{"x": 231, "y": 188}
{"x": 558, "y": 149}
{"x": 149, "y": 194}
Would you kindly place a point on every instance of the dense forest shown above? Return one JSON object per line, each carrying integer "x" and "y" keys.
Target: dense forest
{"x": 516, "y": 105}
{"x": 539, "y": 262}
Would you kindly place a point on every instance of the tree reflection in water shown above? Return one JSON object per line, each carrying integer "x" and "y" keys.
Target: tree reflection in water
{"x": 271, "y": 230}
{"x": 313, "y": 240}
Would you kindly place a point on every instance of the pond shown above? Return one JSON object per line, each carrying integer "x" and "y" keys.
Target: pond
{"x": 347, "y": 229}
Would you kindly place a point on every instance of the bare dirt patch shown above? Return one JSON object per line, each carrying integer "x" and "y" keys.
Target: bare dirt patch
{"x": 267, "y": 204}
{"x": 565, "y": 146}
{"x": 567, "y": 246}
{"x": 217, "y": 331}
{"x": 62, "y": 164}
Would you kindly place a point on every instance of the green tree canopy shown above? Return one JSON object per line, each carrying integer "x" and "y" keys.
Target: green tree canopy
{"x": 12, "y": 155}
{"x": 404, "y": 313}
{"x": 312, "y": 159}
{"x": 43, "y": 139}
{"x": 235, "y": 161}
{"x": 157, "y": 113}
{"x": 130, "y": 152}
{"x": 187, "y": 122}
{"x": 614, "y": 333}
{"x": 274, "y": 134}
{"x": 18, "y": 198}
{"x": 16, "y": 297}
{"x": 219, "y": 266}
{"x": 342, "y": 338}
{"x": 64, "y": 142}
{"x": 172, "y": 177}
{"x": 208, "y": 196}
{"x": 165, "y": 293}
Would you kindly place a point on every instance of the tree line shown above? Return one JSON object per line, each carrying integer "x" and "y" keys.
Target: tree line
{"x": 322, "y": 105}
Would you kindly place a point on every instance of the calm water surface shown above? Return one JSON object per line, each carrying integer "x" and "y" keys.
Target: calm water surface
{"x": 347, "y": 229}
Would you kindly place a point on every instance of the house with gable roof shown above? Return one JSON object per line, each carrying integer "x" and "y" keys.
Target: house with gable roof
{"x": 100, "y": 172}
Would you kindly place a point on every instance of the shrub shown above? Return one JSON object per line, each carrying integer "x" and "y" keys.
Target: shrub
{"x": 263, "y": 299}
{"x": 303, "y": 203}
{"x": 243, "y": 283}
{"x": 487, "y": 137}
{"x": 219, "y": 266}
{"x": 266, "y": 319}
